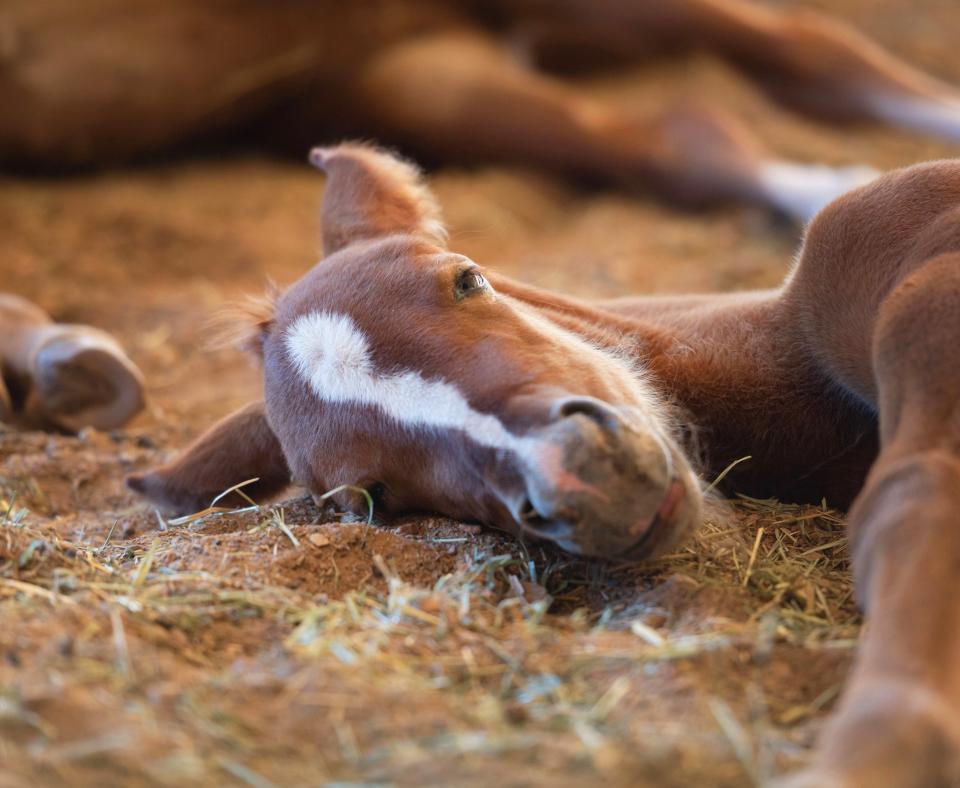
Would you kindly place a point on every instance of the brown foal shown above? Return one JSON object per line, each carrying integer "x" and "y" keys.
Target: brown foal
{"x": 399, "y": 366}
{"x": 437, "y": 77}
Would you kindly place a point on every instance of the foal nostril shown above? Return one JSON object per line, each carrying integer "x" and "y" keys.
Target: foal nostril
{"x": 595, "y": 410}
{"x": 540, "y": 526}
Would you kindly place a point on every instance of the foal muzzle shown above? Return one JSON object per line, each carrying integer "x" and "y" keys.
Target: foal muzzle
{"x": 599, "y": 485}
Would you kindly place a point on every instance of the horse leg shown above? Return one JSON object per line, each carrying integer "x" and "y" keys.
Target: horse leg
{"x": 18, "y": 319}
{"x": 74, "y": 376}
{"x": 899, "y": 721}
{"x": 461, "y": 96}
{"x": 6, "y": 407}
{"x": 21, "y": 323}
{"x": 804, "y": 59}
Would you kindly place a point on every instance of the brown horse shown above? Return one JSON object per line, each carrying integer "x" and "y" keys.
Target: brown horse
{"x": 62, "y": 376}
{"x": 115, "y": 79}
{"x": 401, "y": 367}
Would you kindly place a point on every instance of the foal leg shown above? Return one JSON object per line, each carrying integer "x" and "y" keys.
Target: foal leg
{"x": 899, "y": 721}
{"x": 74, "y": 376}
{"x": 6, "y": 408}
{"x": 461, "y": 96}
{"x": 804, "y": 59}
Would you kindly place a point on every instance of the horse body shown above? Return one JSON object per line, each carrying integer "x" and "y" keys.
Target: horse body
{"x": 119, "y": 80}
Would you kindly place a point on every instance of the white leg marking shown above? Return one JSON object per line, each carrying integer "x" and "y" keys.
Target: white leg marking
{"x": 333, "y": 356}
{"x": 801, "y": 190}
{"x": 940, "y": 117}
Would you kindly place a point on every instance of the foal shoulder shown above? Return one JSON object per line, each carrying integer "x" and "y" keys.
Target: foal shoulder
{"x": 879, "y": 223}
{"x": 856, "y": 251}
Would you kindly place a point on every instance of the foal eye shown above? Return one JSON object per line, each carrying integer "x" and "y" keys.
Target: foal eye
{"x": 469, "y": 281}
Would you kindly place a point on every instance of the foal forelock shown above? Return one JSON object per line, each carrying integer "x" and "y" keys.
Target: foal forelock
{"x": 332, "y": 355}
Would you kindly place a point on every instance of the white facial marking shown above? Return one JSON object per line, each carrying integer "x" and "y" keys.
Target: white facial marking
{"x": 332, "y": 354}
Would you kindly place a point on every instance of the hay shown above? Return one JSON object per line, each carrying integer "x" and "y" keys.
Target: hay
{"x": 518, "y": 650}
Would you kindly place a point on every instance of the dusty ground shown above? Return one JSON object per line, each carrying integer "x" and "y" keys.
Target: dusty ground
{"x": 270, "y": 647}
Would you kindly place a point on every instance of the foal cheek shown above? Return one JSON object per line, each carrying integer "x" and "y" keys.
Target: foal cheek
{"x": 447, "y": 485}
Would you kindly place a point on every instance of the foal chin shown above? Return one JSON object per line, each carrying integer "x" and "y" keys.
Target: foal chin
{"x": 594, "y": 480}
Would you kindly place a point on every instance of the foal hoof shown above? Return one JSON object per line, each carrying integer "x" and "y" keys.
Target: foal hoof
{"x": 82, "y": 378}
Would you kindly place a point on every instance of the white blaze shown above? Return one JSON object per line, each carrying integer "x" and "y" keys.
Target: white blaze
{"x": 333, "y": 356}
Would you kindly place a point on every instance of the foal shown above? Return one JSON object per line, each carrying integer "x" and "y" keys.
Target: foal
{"x": 437, "y": 77}
{"x": 400, "y": 366}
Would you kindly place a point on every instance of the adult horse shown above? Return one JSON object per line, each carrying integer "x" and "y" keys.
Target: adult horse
{"x": 399, "y": 366}
{"x": 111, "y": 80}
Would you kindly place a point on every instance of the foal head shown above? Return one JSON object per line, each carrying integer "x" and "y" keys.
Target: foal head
{"x": 398, "y": 366}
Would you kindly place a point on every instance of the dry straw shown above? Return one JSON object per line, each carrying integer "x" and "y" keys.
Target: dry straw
{"x": 535, "y": 648}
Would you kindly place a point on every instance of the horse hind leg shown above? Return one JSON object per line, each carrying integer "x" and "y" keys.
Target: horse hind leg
{"x": 899, "y": 721}
{"x": 461, "y": 96}
{"x": 806, "y": 60}
{"x": 72, "y": 376}
{"x": 6, "y": 406}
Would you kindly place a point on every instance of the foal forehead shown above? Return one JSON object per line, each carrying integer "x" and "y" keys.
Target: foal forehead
{"x": 363, "y": 327}
{"x": 400, "y": 282}
{"x": 327, "y": 344}
{"x": 383, "y": 265}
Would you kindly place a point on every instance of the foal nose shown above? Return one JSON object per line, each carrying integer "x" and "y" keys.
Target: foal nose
{"x": 600, "y": 484}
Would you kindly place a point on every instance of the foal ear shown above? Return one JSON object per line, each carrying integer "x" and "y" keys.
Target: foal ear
{"x": 371, "y": 193}
{"x": 240, "y": 447}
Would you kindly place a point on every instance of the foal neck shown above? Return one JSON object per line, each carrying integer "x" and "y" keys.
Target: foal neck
{"x": 597, "y": 325}
{"x": 648, "y": 328}
{"x": 745, "y": 386}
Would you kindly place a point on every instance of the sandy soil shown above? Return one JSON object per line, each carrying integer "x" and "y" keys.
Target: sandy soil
{"x": 271, "y": 647}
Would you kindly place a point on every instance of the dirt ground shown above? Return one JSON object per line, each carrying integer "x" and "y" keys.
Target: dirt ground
{"x": 273, "y": 647}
